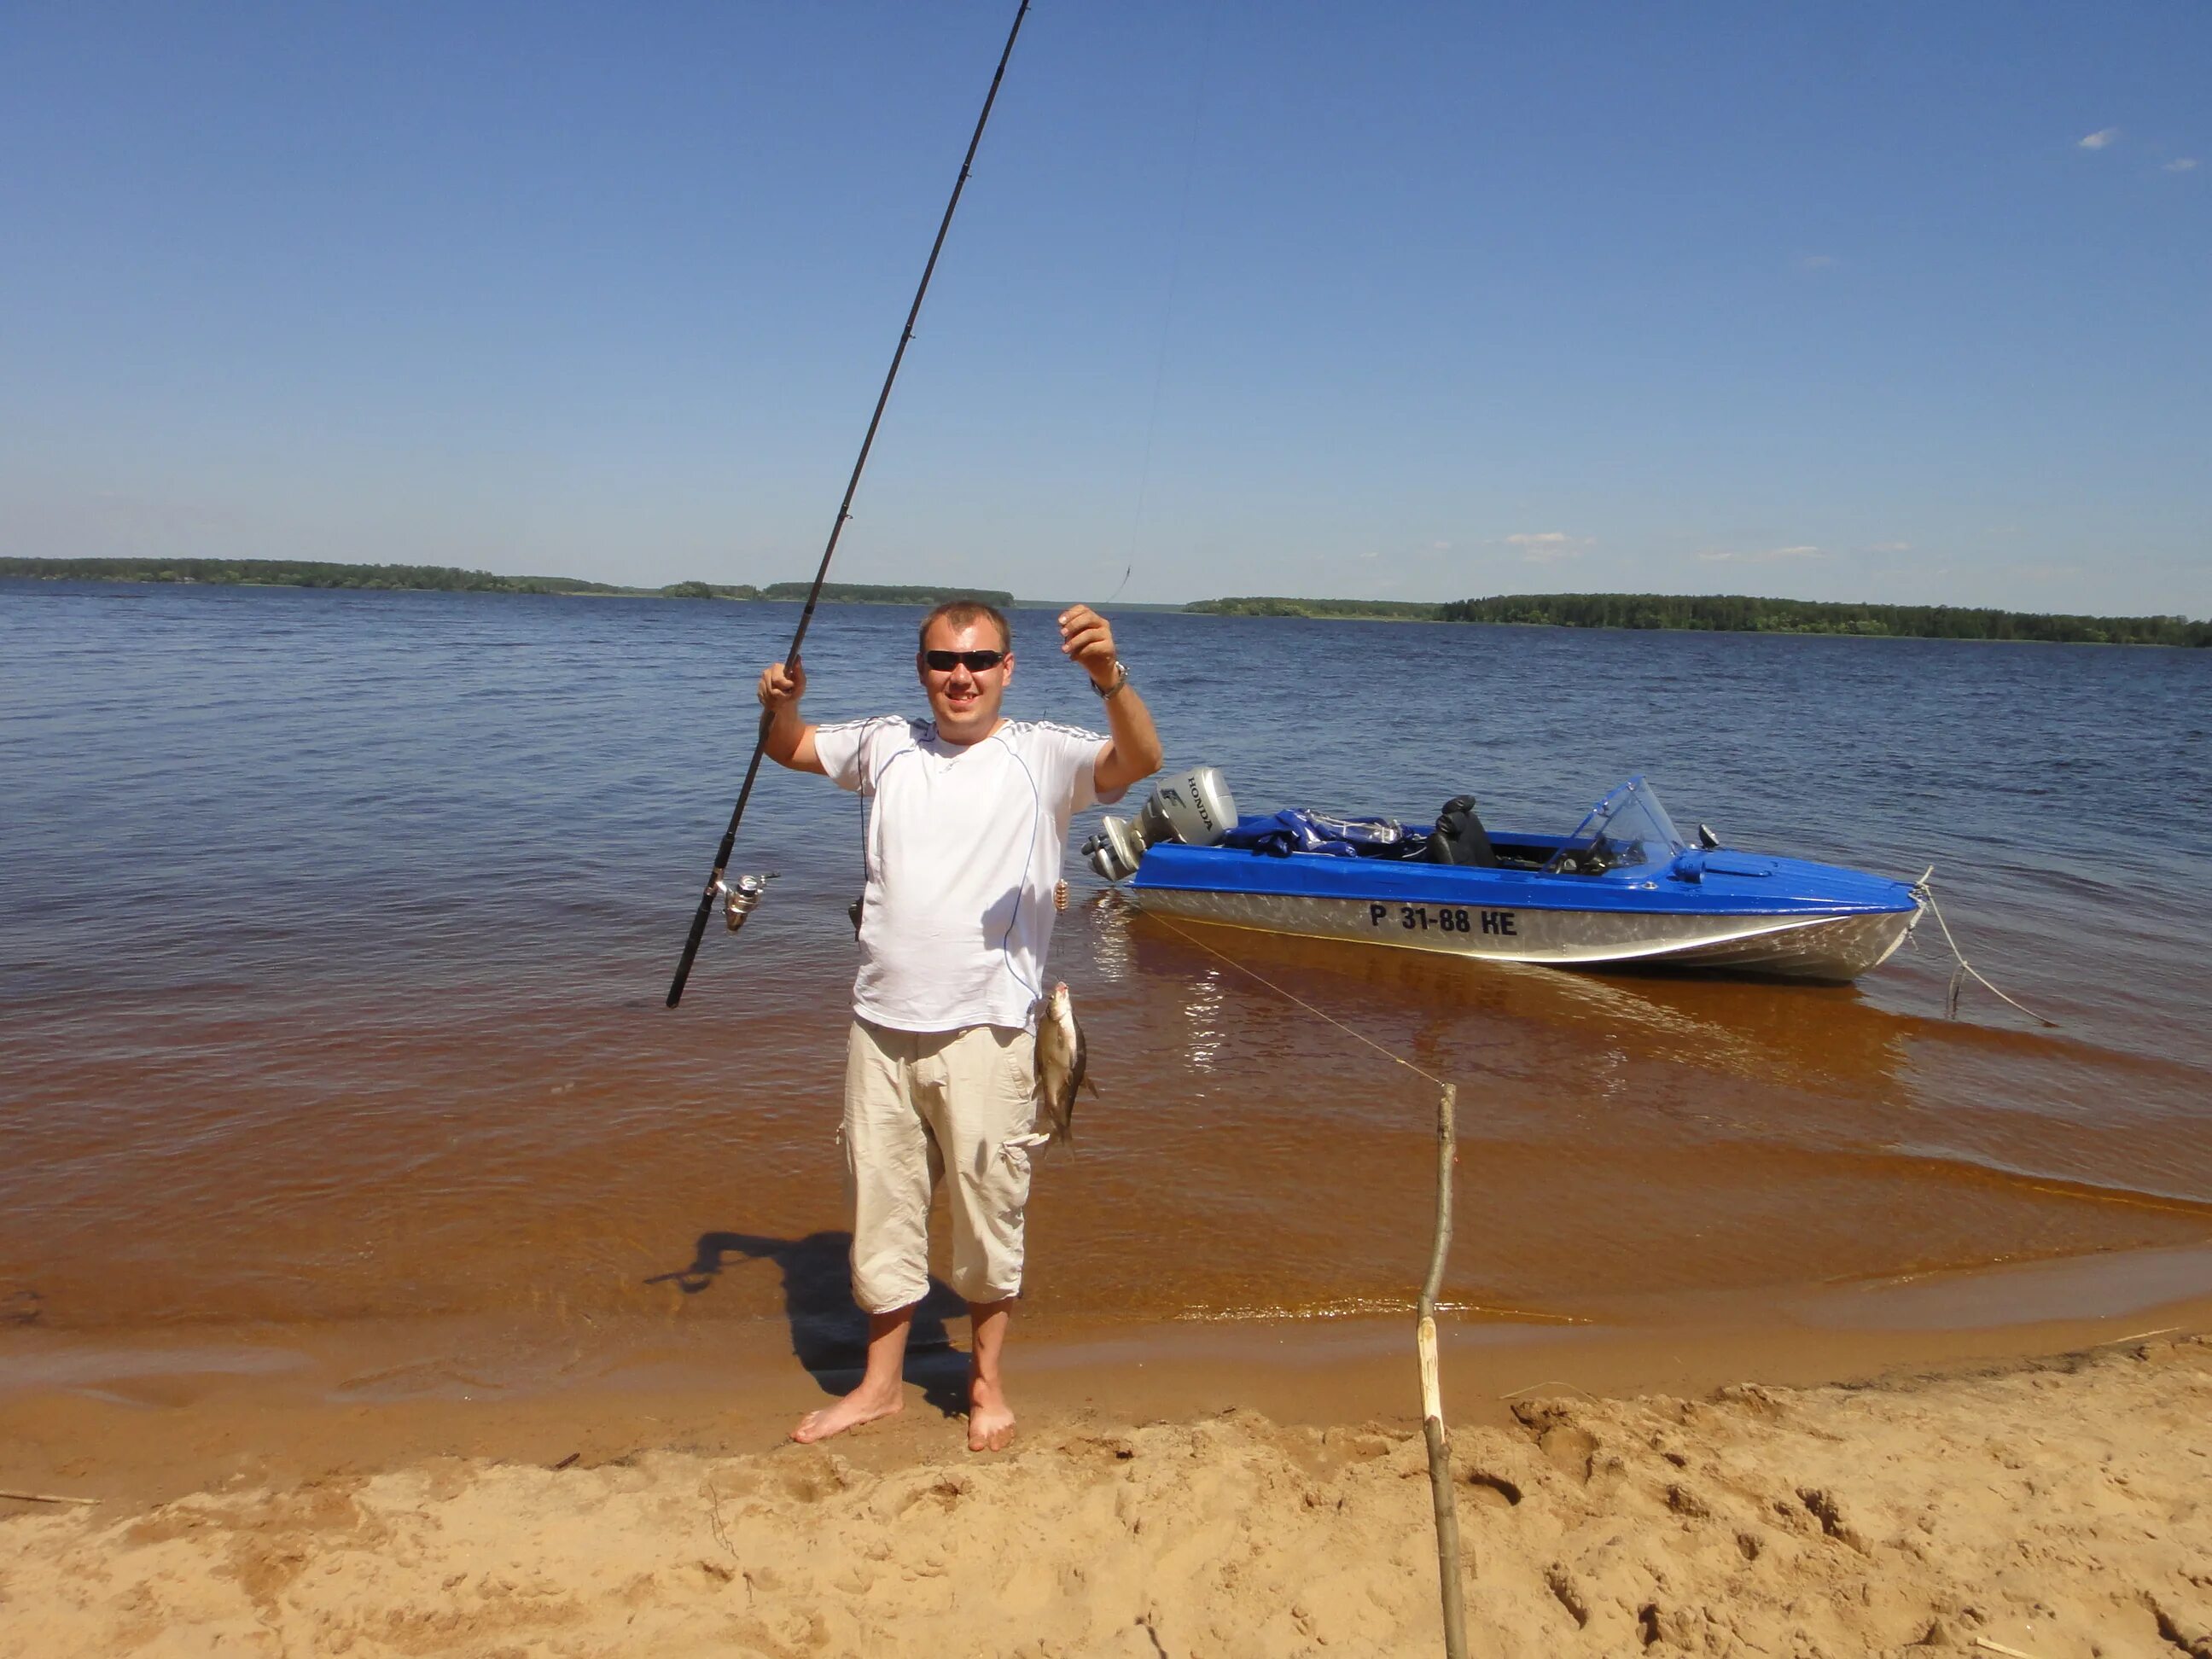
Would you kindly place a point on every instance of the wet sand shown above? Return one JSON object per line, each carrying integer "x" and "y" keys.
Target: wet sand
{"x": 1808, "y": 1491}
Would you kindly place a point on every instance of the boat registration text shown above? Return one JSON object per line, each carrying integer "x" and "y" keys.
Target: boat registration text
{"x": 1447, "y": 919}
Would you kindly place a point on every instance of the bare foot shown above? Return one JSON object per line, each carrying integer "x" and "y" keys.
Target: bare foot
{"x": 990, "y": 1419}
{"x": 856, "y": 1408}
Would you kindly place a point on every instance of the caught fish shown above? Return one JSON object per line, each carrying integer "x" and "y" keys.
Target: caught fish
{"x": 1059, "y": 1063}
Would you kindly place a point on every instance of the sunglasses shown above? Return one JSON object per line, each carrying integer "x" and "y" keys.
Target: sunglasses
{"x": 975, "y": 662}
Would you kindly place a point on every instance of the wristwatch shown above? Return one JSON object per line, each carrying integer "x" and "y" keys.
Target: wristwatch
{"x": 1121, "y": 678}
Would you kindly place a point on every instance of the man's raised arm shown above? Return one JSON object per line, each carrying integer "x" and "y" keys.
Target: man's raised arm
{"x": 1132, "y": 749}
{"x": 790, "y": 739}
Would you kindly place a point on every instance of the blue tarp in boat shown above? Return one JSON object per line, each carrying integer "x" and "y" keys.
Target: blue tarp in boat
{"x": 1294, "y": 830}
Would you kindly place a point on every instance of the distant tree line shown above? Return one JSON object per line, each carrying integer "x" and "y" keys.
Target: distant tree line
{"x": 1711, "y": 613}
{"x": 1748, "y": 616}
{"x": 1735, "y": 613}
{"x": 297, "y": 573}
{"x": 710, "y": 591}
{"x": 881, "y": 593}
{"x": 308, "y": 573}
{"x": 1385, "y": 610}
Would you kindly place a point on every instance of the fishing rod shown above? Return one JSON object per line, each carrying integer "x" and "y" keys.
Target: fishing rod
{"x": 743, "y": 895}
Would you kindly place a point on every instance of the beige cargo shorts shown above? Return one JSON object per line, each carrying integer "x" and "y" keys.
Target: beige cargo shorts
{"x": 920, "y": 1106}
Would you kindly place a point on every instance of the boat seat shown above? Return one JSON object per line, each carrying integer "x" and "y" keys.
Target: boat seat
{"x": 1459, "y": 837}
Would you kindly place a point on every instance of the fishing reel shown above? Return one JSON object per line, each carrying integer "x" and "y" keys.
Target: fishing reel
{"x": 741, "y": 897}
{"x": 1195, "y": 809}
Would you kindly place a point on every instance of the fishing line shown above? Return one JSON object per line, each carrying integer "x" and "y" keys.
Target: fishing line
{"x": 1395, "y": 1059}
{"x": 855, "y": 909}
{"x": 1175, "y": 282}
{"x": 716, "y": 886}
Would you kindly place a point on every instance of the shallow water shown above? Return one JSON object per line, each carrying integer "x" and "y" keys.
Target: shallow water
{"x": 336, "y": 927}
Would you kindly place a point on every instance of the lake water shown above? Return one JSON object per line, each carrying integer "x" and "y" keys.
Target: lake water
{"x": 336, "y": 927}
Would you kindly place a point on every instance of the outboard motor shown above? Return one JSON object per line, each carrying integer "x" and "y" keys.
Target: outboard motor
{"x": 1194, "y": 808}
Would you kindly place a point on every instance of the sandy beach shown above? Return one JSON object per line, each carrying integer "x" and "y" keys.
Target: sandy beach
{"x": 2059, "y": 1507}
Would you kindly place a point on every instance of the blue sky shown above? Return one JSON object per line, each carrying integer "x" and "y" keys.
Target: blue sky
{"x": 1893, "y": 302}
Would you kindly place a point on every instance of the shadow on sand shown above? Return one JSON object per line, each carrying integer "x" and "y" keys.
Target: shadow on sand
{"x": 828, "y": 1332}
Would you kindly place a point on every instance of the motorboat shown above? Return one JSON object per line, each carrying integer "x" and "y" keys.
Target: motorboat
{"x": 1625, "y": 887}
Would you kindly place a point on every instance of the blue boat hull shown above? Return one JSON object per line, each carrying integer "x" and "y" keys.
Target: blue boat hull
{"x": 1734, "y": 912}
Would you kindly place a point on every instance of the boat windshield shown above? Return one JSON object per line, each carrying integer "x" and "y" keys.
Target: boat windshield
{"x": 1628, "y": 829}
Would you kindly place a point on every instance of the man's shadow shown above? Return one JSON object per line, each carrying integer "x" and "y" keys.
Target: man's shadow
{"x": 828, "y": 1331}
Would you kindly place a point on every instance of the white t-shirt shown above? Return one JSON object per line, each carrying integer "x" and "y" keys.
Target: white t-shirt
{"x": 965, "y": 847}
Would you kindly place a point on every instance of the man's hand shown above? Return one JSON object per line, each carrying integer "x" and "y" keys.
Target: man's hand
{"x": 1085, "y": 638}
{"x": 790, "y": 740}
{"x": 781, "y": 688}
{"x": 1132, "y": 745}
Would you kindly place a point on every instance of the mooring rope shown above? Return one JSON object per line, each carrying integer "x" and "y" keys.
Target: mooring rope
{"x": 1924, "y": 889}
{"x": 1320, "y": 1014}
{"x": 1436, "y": 1438}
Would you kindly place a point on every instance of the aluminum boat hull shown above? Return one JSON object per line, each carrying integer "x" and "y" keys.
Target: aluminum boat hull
{"x": 1743, "y": 914}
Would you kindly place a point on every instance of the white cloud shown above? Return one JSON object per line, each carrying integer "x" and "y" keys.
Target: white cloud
{"x": 1545, "y": 546}
{"x": 2098, "y": 139}
{"x": 1763, "y": 555}
{"x": 2181, "y": 164}
{"x": 1891, "y": 547}
{"x": 1439, "y": 547}
{"x": 1816, "y": 261}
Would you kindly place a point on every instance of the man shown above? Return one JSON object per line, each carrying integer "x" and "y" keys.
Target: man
{"x": 964, "y": 849}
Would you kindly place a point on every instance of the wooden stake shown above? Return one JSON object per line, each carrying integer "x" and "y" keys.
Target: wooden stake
{"x": 44, "y": 1497}
{"x": 1432, "y": 1400}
